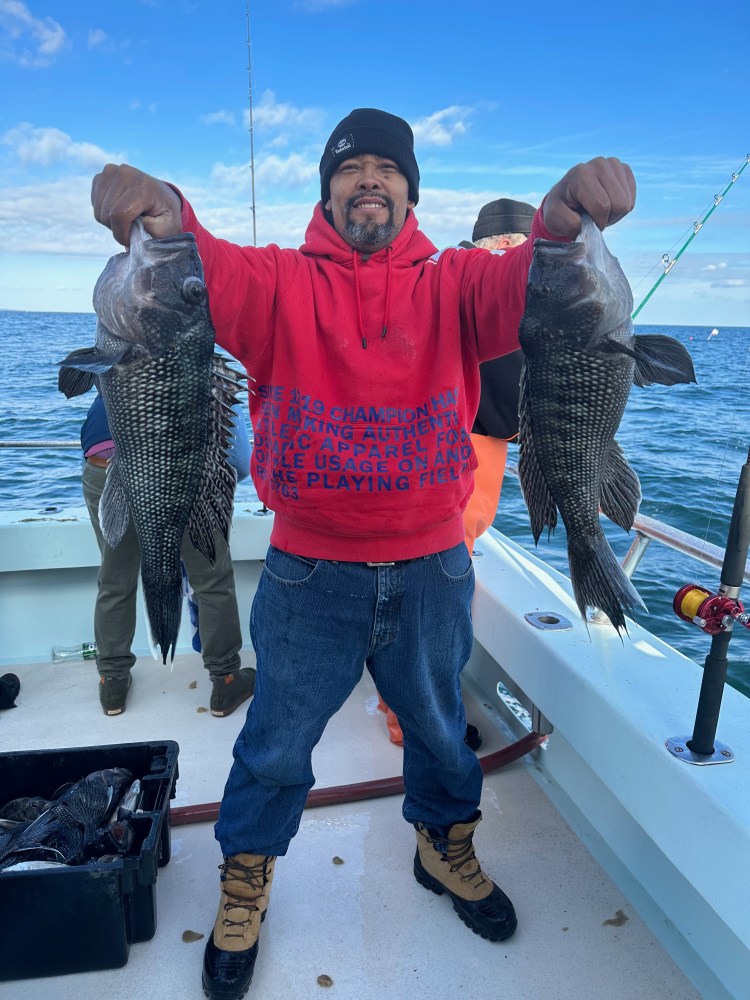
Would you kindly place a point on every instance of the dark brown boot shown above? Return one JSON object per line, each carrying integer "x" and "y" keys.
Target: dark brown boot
{"x": 229, "y": 691}
{"x": 232, "y": 948}
{"x": 445, "y": 862}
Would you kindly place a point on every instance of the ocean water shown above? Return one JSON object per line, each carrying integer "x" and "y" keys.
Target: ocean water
{"x": 687, "y": 443}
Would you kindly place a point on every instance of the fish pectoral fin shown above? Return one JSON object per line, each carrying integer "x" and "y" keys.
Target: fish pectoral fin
{"x": 73, "y": 382}
{"x": 91, "y": 359}
{"x": 620, "y": 494}
{"x": 113, "y": 507}
{"x": 661, "y": 359}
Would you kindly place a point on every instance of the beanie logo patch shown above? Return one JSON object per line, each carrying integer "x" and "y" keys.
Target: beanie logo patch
{"x": 345, "y": 143}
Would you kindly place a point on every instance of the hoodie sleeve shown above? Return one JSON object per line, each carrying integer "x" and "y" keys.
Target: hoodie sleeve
{"x": 493, "y": 293}
{"x": 242, "y": 285}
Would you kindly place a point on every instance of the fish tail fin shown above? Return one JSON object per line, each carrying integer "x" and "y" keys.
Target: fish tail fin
{"x": 600, "y": 582}
{"x": 164, "y": 608}
{"x": 661, "y": 359}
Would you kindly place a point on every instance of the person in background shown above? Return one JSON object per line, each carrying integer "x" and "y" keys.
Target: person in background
{"x": 365, "y": 350}
{"x": 115, "y": 609}
{"x": 500, "y": 224}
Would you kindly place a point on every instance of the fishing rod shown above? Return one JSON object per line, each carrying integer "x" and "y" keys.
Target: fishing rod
{"x": 715, "y": 613}
{"x": 250, "y": 100}
{"x": 669, "y": 262}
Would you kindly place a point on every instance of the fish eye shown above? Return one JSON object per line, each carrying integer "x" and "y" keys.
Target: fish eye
{"x": 193, "y": 290}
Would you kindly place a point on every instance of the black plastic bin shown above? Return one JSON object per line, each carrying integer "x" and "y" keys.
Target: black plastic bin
{"x": 76, "y": 919}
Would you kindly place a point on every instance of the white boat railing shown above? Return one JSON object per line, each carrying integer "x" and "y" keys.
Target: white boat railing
{"x": 647, "y": 529}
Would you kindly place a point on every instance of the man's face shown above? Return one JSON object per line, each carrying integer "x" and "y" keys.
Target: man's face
{"x": 369, "y": 201}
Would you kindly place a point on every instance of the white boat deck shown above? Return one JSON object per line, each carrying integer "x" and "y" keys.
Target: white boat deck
{"x": 365, "y": 923}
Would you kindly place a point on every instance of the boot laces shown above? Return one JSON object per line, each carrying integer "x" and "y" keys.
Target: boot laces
{"x": 460, "y": 854}
{"x": 255, "y": 877}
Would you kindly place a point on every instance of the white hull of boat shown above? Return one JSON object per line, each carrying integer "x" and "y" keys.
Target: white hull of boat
{"x": 674, "y": 838}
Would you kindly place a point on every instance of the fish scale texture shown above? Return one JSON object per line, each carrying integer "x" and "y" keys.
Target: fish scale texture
{"x": 168, "y": 399}
{"x": 575, "y": 386}
{"x": 159, "y": 420}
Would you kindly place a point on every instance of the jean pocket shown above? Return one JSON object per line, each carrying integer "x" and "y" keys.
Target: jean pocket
{"x": 456, "y": 562}
{"x": 287, "y": 568}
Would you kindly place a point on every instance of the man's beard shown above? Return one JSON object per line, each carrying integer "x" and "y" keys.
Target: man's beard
{"x": 372, "y": 235}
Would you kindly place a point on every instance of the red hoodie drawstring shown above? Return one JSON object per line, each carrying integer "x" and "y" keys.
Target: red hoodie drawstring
{"x": 359, "y": 300}
{"x": 388, "y": 281}
{"x": 387, "y": 315}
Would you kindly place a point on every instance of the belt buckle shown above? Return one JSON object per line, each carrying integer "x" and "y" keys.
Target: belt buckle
{"x": 380, "y": 564}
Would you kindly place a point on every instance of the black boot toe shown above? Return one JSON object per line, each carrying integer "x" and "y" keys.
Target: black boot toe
{"x": 494, "y": 917}
{"x": 227, "y": 974}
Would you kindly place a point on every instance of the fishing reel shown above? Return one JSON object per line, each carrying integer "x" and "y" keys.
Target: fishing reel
{"x": 712, "y": 613}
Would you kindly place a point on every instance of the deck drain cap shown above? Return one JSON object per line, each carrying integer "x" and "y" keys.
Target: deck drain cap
{"x": 548, "y": 620}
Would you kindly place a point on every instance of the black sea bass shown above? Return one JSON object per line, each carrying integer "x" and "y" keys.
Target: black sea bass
{"x": 69, "y": 824}
{"x": 580, "y": 359}
{"x": 168, "y": 399}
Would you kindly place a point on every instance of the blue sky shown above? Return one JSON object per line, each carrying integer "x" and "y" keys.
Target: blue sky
{"x": 503, "y": 99}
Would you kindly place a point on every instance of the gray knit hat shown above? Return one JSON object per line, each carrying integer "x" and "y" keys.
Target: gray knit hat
{"x": 368, "y": 130}
{"x": 503, "y": 216}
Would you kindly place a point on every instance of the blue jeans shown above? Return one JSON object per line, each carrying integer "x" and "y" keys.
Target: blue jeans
{"x": 315, "y": 624}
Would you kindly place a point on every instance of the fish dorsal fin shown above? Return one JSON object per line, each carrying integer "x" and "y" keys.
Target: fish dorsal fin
{"x": 620, "y": 494}
{"x": 113, "y": 507}
{"x": 214, "y": 501}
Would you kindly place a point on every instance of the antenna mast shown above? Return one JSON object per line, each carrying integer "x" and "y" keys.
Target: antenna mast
{"x": 250, "y": 100}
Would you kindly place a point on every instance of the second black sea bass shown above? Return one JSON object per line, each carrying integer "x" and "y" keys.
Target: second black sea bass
{"x": 580, "y": 359}
{"x": 169, "y": 401}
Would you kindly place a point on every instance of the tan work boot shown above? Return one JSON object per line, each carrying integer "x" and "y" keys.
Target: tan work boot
{"x": 445, "y": 862}
{"x": 232, "y": 947}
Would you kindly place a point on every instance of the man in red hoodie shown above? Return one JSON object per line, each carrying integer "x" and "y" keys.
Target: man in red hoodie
{"x": 365, "y": 347}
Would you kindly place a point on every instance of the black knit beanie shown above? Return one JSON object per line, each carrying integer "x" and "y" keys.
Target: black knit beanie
{"x": 503, "y": 216}
{"x": 368, "y": 130}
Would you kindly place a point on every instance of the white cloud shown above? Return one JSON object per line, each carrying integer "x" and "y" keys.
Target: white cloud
{"x": 45, "y": 146}
{"x": 447, "y": 216}
{"x": 715, "y": 267}
{"x": 731, "y": 283}
{"x": 273, "y": 171}
{"x": 442, "y": 127}
{"x": 218, "y": 118}
{"x": 96, "y": 37}
{"x": 269, "y": 113}
{"x": 30, "y": 41}
{"x": 53, "y": 218}
{"x": 282, "y": 224}
{"x": 293, "y": 172}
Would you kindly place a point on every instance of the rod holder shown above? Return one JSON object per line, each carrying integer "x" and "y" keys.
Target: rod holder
{"x": 702, "y": 747}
